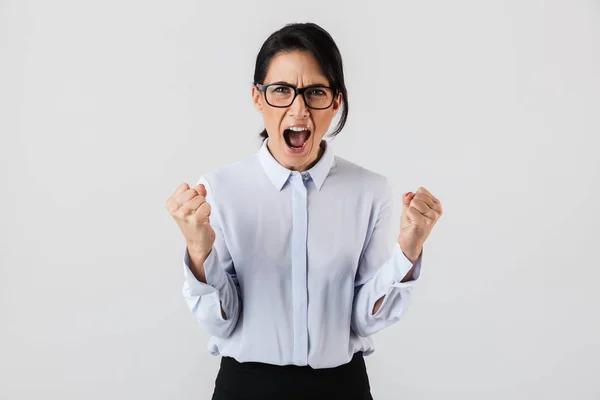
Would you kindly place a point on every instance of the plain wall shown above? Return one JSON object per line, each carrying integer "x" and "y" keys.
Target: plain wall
{"x": 107, "y": 106}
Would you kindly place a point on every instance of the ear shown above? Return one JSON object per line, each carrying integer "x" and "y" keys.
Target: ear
{"x": 337, "y": 103}
{"x": 257, "y": 99}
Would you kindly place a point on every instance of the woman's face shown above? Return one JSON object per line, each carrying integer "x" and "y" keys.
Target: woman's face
{"x": 295, "y": 132}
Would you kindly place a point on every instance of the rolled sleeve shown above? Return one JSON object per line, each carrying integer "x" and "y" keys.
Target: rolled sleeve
{"x": 379, "y": 274}
{"x": 221, "y": 289}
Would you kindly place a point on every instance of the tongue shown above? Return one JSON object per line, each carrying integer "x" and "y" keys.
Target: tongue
{"x": 297, "y": 139}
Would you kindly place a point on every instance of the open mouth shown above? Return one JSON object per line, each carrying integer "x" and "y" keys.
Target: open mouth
{"x": 296, "y": 137}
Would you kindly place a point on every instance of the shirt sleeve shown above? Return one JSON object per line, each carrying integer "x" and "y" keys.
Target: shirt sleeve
{"x": 221, "y": 288}
{"x": 381, "y": 268}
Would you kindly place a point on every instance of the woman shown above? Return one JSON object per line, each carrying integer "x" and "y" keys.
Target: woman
{"x": 288, "y": 265}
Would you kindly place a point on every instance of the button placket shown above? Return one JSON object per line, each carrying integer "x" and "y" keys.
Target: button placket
{"x": 299, "y": 268}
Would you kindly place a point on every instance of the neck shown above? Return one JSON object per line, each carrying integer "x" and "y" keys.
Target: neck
{"x": 312, "y": 164}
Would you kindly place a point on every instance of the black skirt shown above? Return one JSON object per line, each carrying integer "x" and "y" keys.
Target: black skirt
{"x": 254, "y": 380}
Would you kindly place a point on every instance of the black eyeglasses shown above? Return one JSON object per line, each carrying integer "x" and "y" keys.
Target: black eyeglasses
{"x": 317, "y": 97}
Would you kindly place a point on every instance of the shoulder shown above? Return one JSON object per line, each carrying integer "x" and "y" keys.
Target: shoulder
{"x": 359, "y": 176}
{"x": 230, "y": 176}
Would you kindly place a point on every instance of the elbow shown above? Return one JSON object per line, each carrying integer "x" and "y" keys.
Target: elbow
{"x": 361, "y": 332}
{"x": 372, "y": 324}
{"x": 218, "y": 326}
{"x": 365, "y": 327}
{"x": 367, "y": 316}
{"x": 208, "y": 313}
{"x": 367, "y": 321}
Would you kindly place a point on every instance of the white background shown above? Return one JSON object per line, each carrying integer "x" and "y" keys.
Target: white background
{"x": 107, "y": 106}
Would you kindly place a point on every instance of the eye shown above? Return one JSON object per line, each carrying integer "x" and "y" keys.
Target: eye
{"x": 316, "y": 92}
{"x": 281, "y": 89}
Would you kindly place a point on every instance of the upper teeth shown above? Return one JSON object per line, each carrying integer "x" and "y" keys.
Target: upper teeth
{"x": 298, "y": 128}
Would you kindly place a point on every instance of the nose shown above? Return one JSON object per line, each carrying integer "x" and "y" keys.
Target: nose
{"x": 298, "y": 107}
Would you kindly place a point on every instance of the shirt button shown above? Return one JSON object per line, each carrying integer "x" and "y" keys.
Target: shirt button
{"x": 305, "y": 176}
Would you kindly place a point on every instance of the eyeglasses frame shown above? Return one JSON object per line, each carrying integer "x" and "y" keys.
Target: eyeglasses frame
{"x": 263, "y": 88}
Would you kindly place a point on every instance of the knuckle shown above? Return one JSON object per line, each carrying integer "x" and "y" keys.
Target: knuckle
{"x": 205, "y": 207}
{"x": 172, "y": 207}
{"x": 422, "y": 196}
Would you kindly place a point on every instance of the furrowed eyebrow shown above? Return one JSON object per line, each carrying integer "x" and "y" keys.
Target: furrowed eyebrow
{"x": 289, "y": 84}
{"x": 281, "y": 83}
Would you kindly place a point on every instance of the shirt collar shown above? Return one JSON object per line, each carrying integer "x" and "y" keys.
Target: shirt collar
{"x": 278, "y": 174}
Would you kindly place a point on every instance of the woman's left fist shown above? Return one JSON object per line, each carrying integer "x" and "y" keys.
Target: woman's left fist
{"x": 420, "y": 212}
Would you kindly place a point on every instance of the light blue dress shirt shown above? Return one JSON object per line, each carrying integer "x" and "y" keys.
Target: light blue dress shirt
{"x": 298, "y": 262}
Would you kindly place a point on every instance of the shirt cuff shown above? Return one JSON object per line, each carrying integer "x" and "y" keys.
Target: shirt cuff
{"x": 195, "y": 287}
{"x": 400, "y": 265}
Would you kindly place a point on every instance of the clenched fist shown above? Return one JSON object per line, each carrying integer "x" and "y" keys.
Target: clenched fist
{"x": 191, "y": 212}
{"x": 420, "y": 212}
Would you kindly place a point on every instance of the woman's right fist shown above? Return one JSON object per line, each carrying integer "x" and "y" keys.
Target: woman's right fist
{"x": 191, "y": 212}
